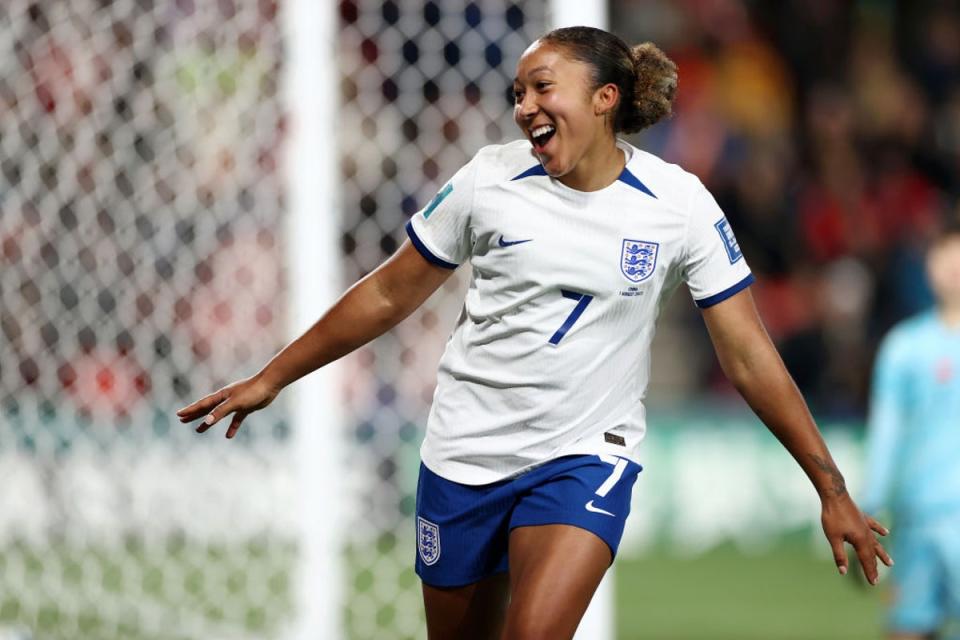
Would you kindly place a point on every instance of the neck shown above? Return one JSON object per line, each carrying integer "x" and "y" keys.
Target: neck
{"x": 599, "y": 167}
{"x": 949, "y": 313}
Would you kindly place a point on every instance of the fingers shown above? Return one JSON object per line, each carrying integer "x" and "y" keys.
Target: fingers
{"x": 220, "y": 411}
{"x": 240, "y": 398}
{"x": 866, "y": 549}
{"x": 202, "y": 406}
{"x": 877, "y": 527}
{"x": 839, "y": 556}
{"x": 879, "y": 551}
{"x": 235, "y": 423}
{"x": 884, "y": 556}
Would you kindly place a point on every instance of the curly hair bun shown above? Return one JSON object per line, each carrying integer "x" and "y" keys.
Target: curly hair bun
{"x": 654, "y": 88}
{"x": 646, "y": 77}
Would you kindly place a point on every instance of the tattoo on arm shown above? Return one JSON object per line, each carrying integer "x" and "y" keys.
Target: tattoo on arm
{"x": 839, "y": 486}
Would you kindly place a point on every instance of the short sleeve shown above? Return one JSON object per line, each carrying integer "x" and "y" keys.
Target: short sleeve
{"x": 713, "y": 266}
{"x": 441, "y": 230}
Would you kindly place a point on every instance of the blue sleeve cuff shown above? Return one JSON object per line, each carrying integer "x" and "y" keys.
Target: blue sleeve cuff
{"x": 726, "y": 293}
{"x": 426, "y": 253}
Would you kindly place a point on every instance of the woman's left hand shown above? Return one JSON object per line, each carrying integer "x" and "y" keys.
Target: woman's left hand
{"x": 843, "y": 522}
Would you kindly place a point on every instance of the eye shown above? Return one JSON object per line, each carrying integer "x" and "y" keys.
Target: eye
{"x": 517, "y": 95}
{"x": 542, "y": 85}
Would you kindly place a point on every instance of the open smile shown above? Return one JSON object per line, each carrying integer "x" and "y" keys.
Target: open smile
{"x": 541, "y": 136}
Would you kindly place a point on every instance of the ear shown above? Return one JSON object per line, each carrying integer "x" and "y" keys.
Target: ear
{"x": 605, "y": 99}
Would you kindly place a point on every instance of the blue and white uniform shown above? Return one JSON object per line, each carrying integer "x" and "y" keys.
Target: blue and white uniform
{"x": 550, "y": 356}
{"x": 913, "y": 448}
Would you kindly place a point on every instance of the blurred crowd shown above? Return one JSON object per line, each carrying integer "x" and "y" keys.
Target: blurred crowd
{"x": 829, "y": 132}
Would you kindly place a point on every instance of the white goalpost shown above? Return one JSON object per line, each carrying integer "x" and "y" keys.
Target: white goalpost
{"x": 598, "y": 621}
{"x": 314, "y": 282}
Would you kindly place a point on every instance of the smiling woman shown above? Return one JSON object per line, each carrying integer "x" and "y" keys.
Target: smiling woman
{"x": 628, "y": 89}
{"x": 575, "y": 238}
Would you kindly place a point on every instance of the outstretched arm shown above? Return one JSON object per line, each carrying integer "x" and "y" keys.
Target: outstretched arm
{"x": 368, "y": 309}
{"x": 752, "y": 364}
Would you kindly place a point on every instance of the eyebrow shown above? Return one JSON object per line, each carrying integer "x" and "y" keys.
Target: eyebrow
{"x": 542, "y": 67}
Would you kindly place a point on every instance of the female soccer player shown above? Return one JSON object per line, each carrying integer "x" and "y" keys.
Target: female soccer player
{"x": 575, "y": 239}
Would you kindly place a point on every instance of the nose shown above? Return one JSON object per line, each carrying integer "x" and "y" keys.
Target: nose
{"x": 527, "y": 107}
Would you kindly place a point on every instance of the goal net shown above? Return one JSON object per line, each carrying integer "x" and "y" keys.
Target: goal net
{"x": 140, "y": 196}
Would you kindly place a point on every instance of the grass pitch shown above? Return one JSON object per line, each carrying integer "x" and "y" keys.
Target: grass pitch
{"x": 784, "y": 593}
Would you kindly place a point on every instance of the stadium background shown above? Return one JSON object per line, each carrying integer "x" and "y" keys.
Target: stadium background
{"x": 142, "y": 264}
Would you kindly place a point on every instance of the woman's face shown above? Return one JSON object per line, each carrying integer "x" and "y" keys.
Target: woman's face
{"x": 555, "y": 108}
{"x": 943, "y": 266}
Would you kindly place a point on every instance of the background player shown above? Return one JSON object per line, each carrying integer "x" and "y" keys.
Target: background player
{"x": 912, "y": 451}
{"x": 575, "y": 90}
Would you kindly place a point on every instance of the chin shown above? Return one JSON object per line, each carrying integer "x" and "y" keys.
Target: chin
{"x": 554, "y": 169}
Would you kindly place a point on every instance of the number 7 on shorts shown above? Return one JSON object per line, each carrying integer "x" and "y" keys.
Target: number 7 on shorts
{"x": 619, "y": 465}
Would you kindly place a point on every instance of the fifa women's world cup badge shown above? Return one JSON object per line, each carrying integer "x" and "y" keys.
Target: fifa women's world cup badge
{"x": 428, "y": 541}
{"x": 638, "y": 259}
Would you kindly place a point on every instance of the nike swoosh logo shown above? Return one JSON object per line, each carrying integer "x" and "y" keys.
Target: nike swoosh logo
{"x": 510, "y": 243}
{"x": 589, "y": 506}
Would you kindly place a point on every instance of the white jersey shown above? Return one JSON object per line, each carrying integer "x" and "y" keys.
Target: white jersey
{"x": 551, "y": 353}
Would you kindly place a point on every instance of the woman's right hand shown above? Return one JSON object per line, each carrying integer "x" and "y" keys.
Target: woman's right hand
{"x": 240, "y": 398}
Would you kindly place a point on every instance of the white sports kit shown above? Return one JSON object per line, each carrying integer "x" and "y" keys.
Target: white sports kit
{"x": 551, "y": 353}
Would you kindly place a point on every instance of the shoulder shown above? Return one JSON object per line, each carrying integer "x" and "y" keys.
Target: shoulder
{"x": 912, "y": 327}
{"x": 903, "y": 339}
{"x": 669, "y": 182}
{"x": 499, "y": 162}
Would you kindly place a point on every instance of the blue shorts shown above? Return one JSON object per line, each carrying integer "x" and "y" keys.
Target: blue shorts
{"x": 462, "y": 530}
{"x": 926, "y": 578}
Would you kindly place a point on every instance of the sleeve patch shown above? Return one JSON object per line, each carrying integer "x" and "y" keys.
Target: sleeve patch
{"x": 437, "y": 199}
{"x": 729, "y": 240}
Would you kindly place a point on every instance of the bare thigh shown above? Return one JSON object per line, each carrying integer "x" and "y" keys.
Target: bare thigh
{"x": 473, "y": 612}
{"x": 554, "y": 571}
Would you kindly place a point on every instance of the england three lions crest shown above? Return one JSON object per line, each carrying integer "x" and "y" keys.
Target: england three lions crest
{"x": 638, "y": 259}
{"x": 428, "y": 541}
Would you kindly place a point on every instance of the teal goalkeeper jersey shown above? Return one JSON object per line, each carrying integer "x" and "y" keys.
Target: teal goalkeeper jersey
{"x": 913, "y": 437}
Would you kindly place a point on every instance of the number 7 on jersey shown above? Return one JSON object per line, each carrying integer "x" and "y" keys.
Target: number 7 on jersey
{"x": 582, "y": 301}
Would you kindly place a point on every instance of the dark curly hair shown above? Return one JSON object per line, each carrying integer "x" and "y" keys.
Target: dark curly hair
{"x": 646, "y": 77}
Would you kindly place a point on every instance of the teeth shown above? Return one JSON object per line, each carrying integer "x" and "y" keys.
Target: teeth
{"x": 539, "y": 131}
